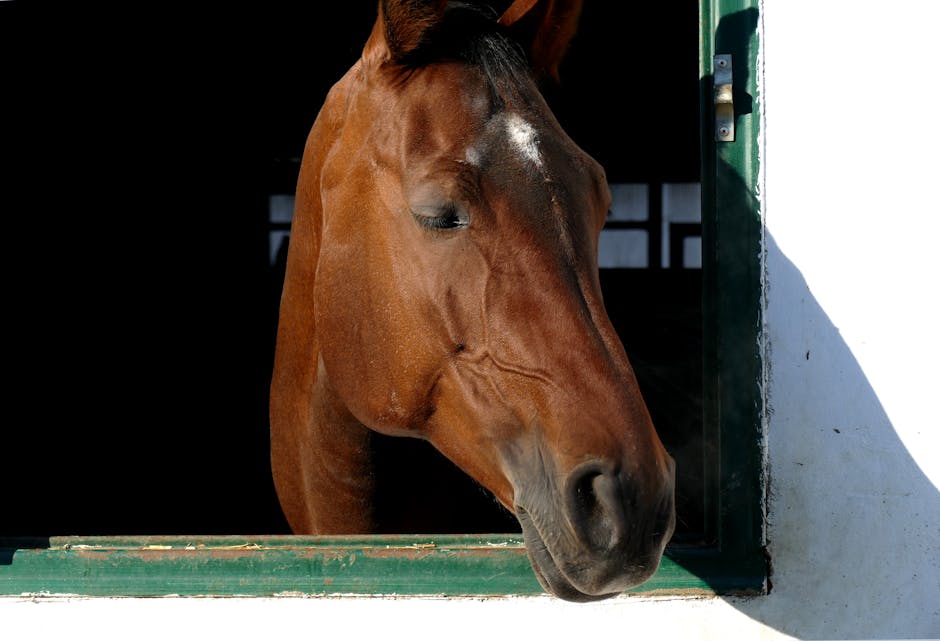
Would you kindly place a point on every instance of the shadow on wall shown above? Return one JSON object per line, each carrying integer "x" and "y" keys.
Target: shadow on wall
{"x": 854, "y": 531}
{"x": 854, "y": 523}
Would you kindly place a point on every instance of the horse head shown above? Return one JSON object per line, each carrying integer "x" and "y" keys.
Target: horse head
{"x": 442, "y": 283}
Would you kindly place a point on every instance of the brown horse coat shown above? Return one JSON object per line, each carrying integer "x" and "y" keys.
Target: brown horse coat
{"x": 442, "y": 284}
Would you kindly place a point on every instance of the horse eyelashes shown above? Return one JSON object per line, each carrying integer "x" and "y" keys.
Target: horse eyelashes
{"x": 443, "y": 222}
{"x": 443, "y": 218}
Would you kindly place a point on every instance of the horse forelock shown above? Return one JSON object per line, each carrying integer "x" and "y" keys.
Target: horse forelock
{"x": 469, "y": 33}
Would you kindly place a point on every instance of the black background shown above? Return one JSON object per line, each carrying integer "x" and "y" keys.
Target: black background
{"x": 141, "y": 143}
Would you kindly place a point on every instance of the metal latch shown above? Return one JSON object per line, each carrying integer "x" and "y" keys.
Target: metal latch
{"x": 724, "y": 99}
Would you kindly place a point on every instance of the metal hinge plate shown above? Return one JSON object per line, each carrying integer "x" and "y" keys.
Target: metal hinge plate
{"x": 724, "y": 99}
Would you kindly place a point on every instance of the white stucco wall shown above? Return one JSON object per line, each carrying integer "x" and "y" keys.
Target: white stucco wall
{"x": 852, "y": 230}
{"x": 853, "y": 219}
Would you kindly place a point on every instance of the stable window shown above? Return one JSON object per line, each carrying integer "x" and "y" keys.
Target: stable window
{"x": 680, "y": 261}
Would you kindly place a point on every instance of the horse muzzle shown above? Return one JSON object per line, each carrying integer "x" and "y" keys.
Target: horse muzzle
{"x": 604, "y": 534}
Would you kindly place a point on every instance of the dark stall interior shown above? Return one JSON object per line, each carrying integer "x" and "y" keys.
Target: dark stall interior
{"x": 143, "y": 333}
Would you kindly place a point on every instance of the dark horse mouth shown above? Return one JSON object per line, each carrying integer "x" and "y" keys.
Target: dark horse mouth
{"x": 548, "y": 572}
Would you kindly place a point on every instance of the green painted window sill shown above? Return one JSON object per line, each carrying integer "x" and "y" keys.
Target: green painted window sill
{"x": 408, "y": 565}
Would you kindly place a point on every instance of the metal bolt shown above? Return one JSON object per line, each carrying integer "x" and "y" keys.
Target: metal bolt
{"x": 723, "y": 132}
{"x": 722, "y": 62}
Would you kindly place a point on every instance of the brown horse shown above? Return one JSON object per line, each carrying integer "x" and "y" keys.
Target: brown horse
{"x": 442, "y": 283}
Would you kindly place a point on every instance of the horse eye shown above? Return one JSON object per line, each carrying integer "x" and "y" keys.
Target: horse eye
{"x": 441, "y": 218}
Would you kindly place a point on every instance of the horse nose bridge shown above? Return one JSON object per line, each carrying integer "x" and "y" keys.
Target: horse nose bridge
{"x": 598, "y": 410}
{"x": 565, "y": 324}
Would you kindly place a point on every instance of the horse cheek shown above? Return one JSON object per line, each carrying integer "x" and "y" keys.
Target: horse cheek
{"x": 365, "y": 330}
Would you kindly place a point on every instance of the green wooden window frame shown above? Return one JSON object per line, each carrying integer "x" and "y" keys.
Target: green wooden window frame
{"x": 497, "y": 564}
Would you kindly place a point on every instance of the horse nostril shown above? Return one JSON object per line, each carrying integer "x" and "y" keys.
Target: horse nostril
{"x": 596, "y": 506}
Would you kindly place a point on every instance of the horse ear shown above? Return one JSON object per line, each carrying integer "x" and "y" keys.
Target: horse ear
{"x": 544, "y": 28}
{"x": 404, "y": 25}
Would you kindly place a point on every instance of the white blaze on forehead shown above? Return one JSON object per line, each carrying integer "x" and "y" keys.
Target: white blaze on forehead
{"x": 523, "y": 138}
{"x": 473, "y": 156}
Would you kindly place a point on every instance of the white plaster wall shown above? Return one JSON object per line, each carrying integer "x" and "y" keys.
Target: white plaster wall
{"x": 853, "y": 222}
{"x": 852, "y": 208}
